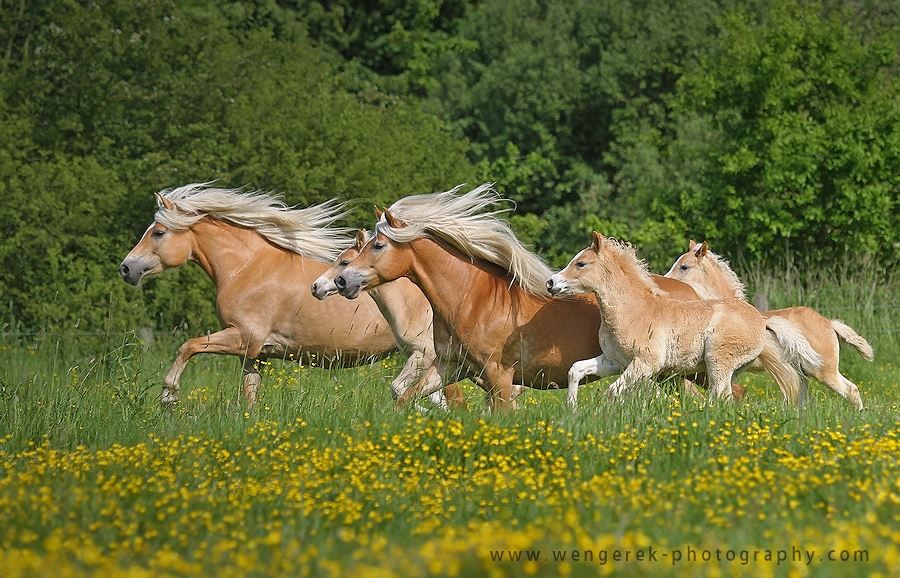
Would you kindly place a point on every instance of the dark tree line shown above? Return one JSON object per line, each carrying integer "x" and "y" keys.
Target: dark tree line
{"x": 769, "y": 128}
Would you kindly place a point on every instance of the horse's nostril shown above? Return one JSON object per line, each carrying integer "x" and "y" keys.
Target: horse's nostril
{"x": 549, "y": 284}
{"x": 124, "y": 270}
{"x": 340, "y": 282}
{"x": 315, "y": 287}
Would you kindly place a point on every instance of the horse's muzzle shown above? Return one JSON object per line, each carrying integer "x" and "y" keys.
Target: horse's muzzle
{"x": 130, "y": 273}
{"x": 552, "y": 287}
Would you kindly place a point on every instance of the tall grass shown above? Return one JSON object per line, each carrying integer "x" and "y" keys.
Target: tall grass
{"x": 664, "y": 469}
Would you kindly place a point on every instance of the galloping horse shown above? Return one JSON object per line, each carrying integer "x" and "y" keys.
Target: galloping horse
{"x": 650, "y": 334}
{"x": 258, "y": 253}
{"x": 712, "y": 278}
{"x": 409, "y": 315}
{"x": 492, "y": 314}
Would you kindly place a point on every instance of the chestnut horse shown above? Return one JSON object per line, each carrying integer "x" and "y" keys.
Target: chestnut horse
{"x": 409, "y": 315}
{"x": 651, "y": 335}
{"x": 493, "y": 317}
{"x": 712, "y": 278}
{"x": 259, "y": 253}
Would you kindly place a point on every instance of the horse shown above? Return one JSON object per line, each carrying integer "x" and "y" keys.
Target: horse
{"x": 409, "y": 315}
{"x": 651, "y": 335}
{"x": 493, "y": 316}
{"x": 712, "y": 277}
{"x": 258, "y": 251}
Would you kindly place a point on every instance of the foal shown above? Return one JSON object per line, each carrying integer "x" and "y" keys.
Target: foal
{"x": 712, "y": 278}
{"x": 650, "y": 334}
{"x": 409, "y": 315}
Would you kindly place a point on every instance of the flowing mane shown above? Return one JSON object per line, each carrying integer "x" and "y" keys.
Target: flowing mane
{"x": 731, "y": 278}
{"x": 308, "y": 232}
{"x": 470, "y": 223}
{"x": 625, "y": 255}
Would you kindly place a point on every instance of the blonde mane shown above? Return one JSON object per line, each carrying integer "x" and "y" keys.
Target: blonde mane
{"x": 626, "y": 256}
{"x": 308, "y": 232}
{"x": 736, "y": 285}
{"x": 470, "y": 223}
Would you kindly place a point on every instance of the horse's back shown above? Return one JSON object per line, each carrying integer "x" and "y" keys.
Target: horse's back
{"x": 674, "y": 288}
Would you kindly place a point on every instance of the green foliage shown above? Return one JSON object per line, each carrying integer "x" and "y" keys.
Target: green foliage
{"x": 805, "y": 128}
{"x": 109, "y": 105}
{"x": 770, "y": 129}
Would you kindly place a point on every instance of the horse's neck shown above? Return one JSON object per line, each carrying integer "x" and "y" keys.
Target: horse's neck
{"x": 224, "y": 250}
{"x": 715, "y": 285}
{"x": 452, "y": 282}
{"x": 620, "y": 294}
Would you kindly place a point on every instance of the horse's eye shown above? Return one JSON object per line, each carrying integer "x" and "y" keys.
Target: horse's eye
{"x": 684, "y": 267}
{"x": 378, "y": 246}
{"x": 344, "y": 263}
{"x": 158, "y": 233}
{"x": 581, "y": 264}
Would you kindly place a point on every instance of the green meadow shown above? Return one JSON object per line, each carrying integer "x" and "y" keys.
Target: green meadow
{"x": 326, "y": 477}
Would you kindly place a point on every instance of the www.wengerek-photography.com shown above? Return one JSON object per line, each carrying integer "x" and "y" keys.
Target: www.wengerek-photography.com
{"x": 682, "y": 556}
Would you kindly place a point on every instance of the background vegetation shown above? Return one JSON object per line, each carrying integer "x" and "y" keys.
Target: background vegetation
{"x": 770, "y": 128}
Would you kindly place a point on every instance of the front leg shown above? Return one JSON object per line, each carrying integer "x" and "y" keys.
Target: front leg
{"x": 225, "y": 342}
{"x": 599, "y": 366}
{"x": 412, "y": 370}
{"x": 251, "y": 381}
{"x": 500, "y": 387}
{"x": 636, "y": 371}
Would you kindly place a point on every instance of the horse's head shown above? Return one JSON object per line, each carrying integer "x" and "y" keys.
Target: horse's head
{"x": 324, "y": 286}
{"x": 693, "y": 267}
{"x": 160, "y": 248}
{"x": 380, "y": 260}
{"x": 572, "y": 279}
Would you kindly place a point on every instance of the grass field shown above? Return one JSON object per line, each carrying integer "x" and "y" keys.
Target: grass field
{"x": 325, "y": 477}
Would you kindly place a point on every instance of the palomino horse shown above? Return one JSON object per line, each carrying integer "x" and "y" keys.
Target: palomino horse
{"x": 258, "y": 252}
{"x": 409, "y": 315}
{"x": 712, "y": 278}
{"x": 492, "y": 315}
{"x": 650, "y": 334}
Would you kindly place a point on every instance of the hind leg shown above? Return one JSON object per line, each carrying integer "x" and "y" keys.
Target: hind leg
{"x": 720, "y": 382}
{"x": 843, "y": 387}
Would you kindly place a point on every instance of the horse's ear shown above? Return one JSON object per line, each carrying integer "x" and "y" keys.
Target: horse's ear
{"x": 392, "y": 221}
{"x": 596, "y": 241}
{"x": 360, "y": 238}
{"x": 691, "y": 244}
{"x": 163, "y": 202}
{"x": 378, "y": 213}
{"x": 701, "y": 250}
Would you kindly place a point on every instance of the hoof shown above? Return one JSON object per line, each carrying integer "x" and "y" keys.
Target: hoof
{"x": 169, "y": 398}
{"x": 738, "y": 391}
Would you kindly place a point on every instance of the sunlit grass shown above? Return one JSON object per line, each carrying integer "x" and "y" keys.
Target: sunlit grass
{"x": 326, "y": 477}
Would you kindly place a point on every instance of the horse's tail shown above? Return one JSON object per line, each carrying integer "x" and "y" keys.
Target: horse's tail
{"x": 786, "y": 356}
{"x": 847, "y": 333}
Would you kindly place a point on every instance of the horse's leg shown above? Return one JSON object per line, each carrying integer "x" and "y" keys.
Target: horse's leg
{"x": 227, "y": 342}
{"x": 501, "y": 389}
{"x": 829, "y": 374}
{"x": 693, "y": 385}
{"x": 409, "y": 375}
{"x": 454, "y": 395}
{"x": 251, "y": 381}
{"x": 599, "y": 366}
{"x": 430, "y": 380}
{"x": 636, "y": 371}
{"x": 720, "y": 381}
